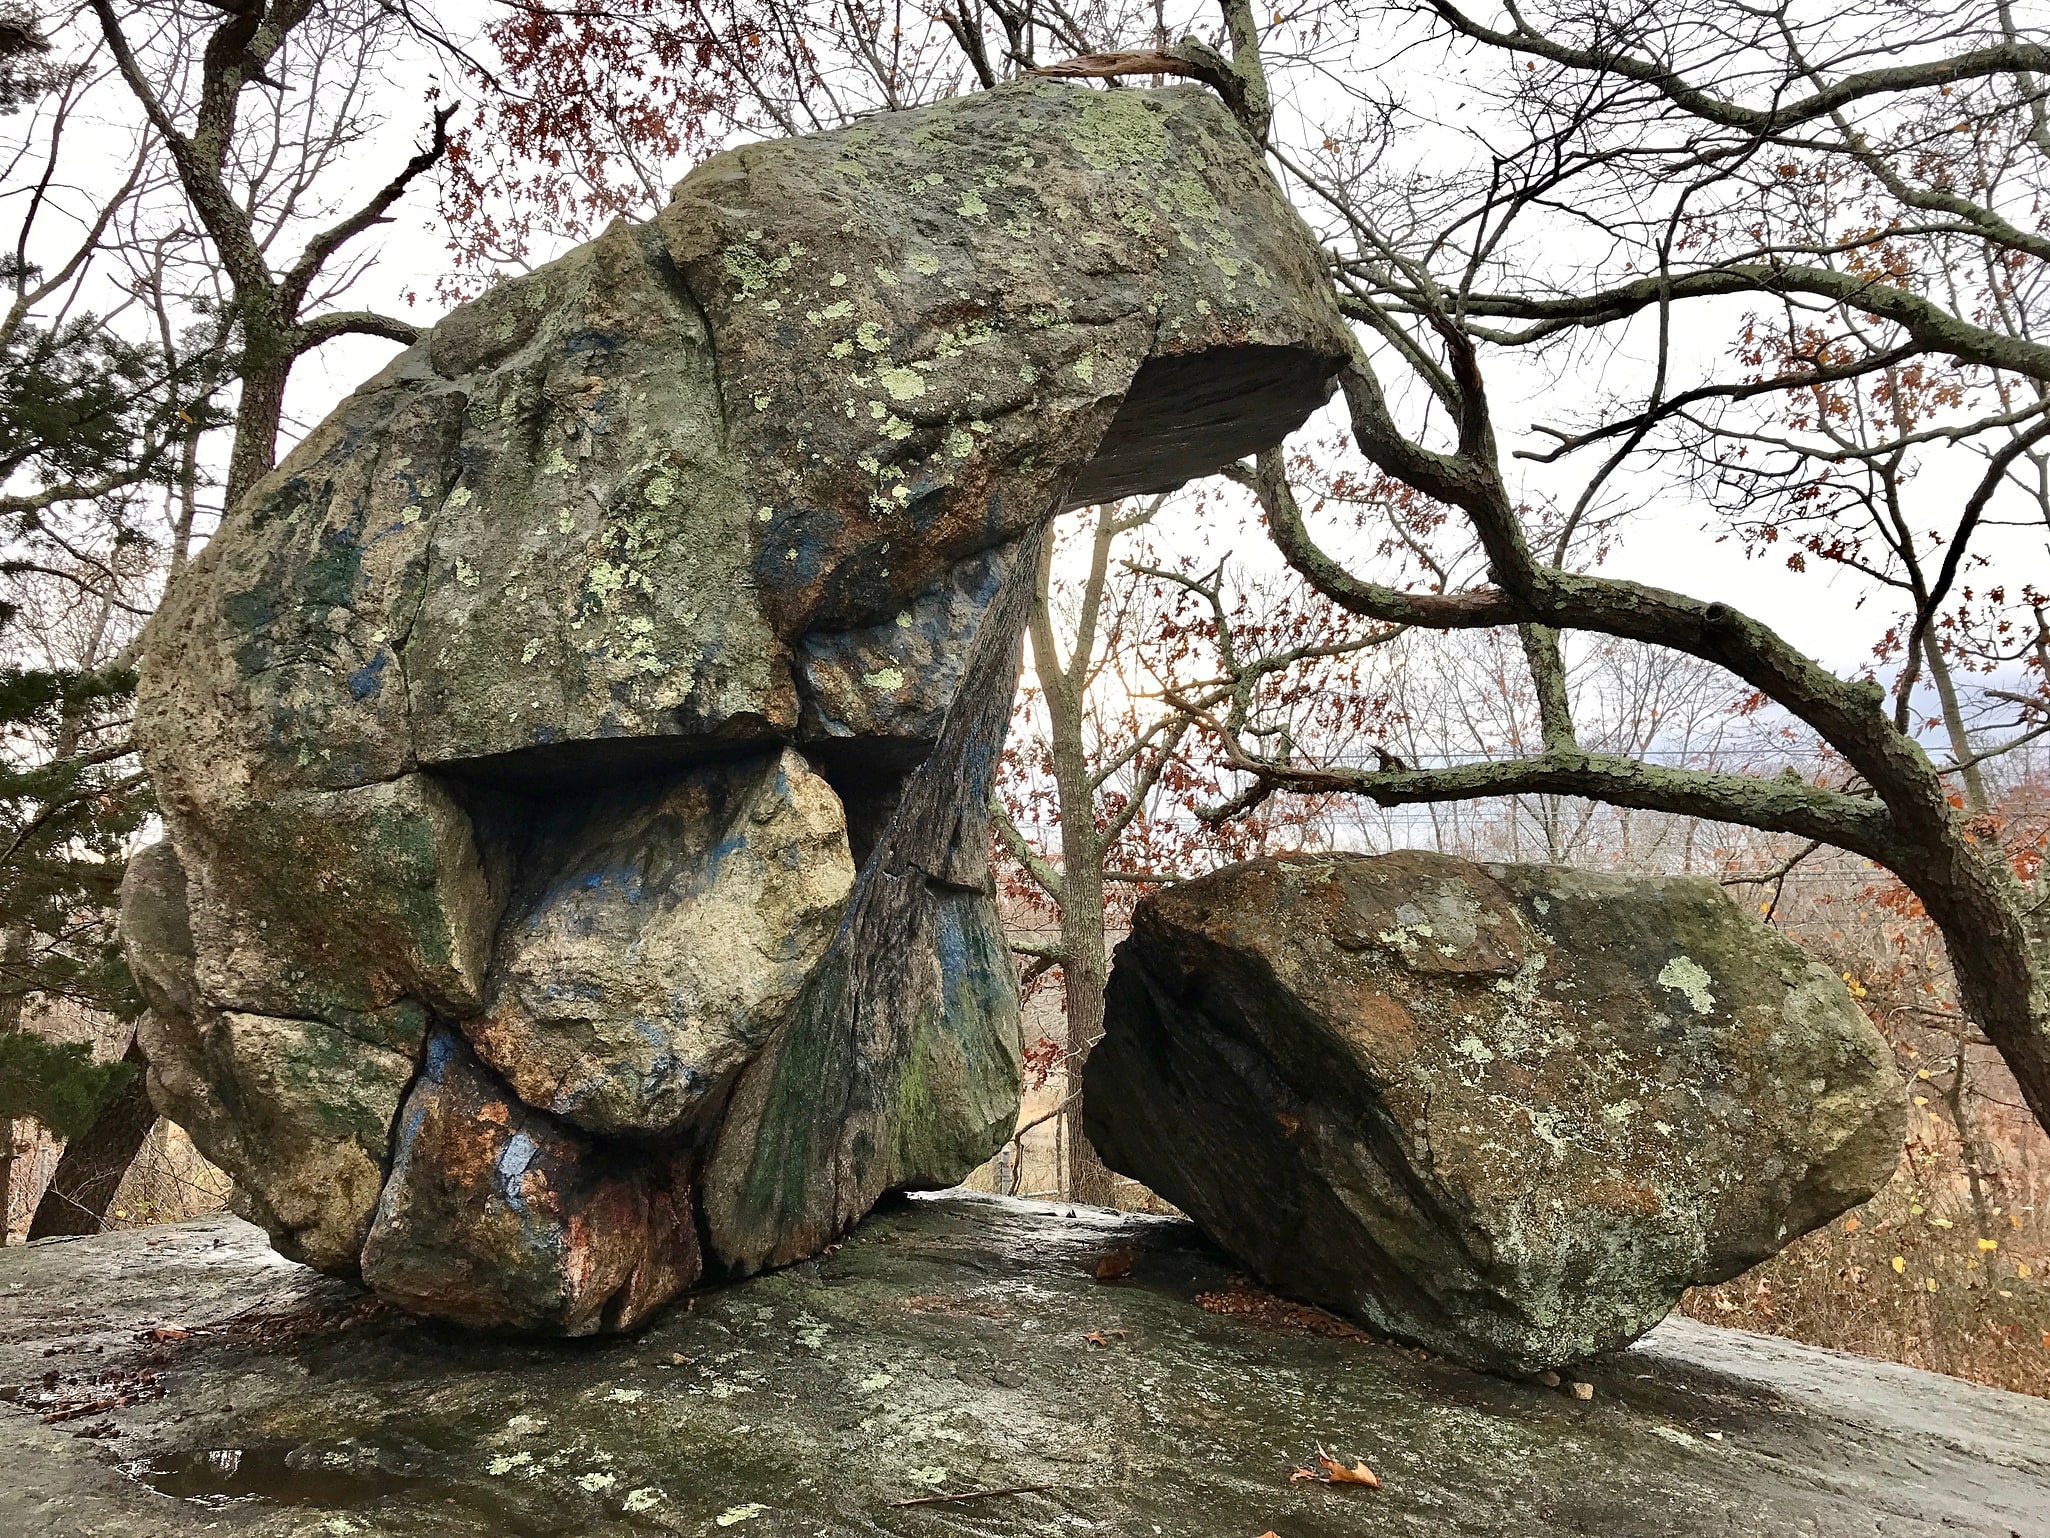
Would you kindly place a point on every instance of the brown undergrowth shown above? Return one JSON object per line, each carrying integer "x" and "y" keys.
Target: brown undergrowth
{"x": 1920, "y": 1274}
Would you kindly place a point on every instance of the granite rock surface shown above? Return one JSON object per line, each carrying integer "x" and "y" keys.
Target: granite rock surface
{"x": 942, "y": 1350}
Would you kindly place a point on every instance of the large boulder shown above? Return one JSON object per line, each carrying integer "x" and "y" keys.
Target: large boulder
{"x": 607, "y": 693}
{"x": 1507, "y": 1112}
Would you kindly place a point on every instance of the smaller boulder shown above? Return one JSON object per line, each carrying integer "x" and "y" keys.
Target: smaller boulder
{"x": 500, "y": 1217}
{"x": 658, "y": 938}
{"x": 1506, "y": 1112}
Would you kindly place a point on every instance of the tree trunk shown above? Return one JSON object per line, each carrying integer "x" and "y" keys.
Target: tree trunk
{"x": 258, "y": 414}
{"x": 1982, "y": 1174}
{"x": 15, "y": 952}
{"x": 1997, "y": 932}
{"x": 6, "y": 1179}
{"x": 1085, "y": 967}
{"x": 90, "y": 1172}
{"x": 1083, "y": 975}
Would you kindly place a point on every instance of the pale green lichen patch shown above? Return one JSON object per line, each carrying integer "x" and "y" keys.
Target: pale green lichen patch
{"x": 903, "y": 384}
{"x": 750, "y": 271}
{"x": 1119, "y": 128}
{"x": 1685, "y": 976}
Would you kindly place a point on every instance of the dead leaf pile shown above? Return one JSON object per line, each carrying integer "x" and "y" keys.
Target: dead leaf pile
{"x": 1272, "y": 1313}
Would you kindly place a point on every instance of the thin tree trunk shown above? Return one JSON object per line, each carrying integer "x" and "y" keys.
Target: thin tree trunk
{"x": 1973, "y": 1151}
{"x": 90, "y": 1172}
{"x": 12, "y": 1000}
{"x": 1083, "y": 975}
{"x": 1954, "y": 726}
{"x": 188, "y": 501}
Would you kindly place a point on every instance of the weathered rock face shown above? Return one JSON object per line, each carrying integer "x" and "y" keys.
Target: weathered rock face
{"x": 660, "y": 936}
{"x": 608, "y": 692}
{"x": 1507, "y": 1112}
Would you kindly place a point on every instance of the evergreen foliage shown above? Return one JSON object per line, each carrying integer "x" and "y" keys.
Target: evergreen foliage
{"x": 56, "y": 1082}
{"x": 66, "y": 820}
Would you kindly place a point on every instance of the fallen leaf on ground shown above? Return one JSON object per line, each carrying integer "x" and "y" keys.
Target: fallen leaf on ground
{"x": 1109, "y": 1267}
{"x": 1331, "y": 1471}
{"x": 1272, "y": 1313}
{"x": 164, "y": 1332}
{"x": 1095, "y": 1339}
{"x": 1336, "y": 1473}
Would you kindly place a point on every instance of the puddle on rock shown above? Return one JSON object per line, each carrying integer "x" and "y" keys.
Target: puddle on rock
{"x": 291, "y": 1476}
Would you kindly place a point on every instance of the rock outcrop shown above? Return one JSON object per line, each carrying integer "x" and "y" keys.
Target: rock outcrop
{"x": 608, "y": 691}
{"x": 941, "y": 1351}
{"x": 1506, "y": 1112}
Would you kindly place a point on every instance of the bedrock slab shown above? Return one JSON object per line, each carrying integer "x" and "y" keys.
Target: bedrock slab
{"x": 941, "y": 1350}
{"x": 1508, "y": 1112}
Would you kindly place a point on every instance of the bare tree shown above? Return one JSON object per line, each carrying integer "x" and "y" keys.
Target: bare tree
{"x": 275, "y": 95}
{"x": 1680, "y": 141}
{"x": 1125, "y": 658}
